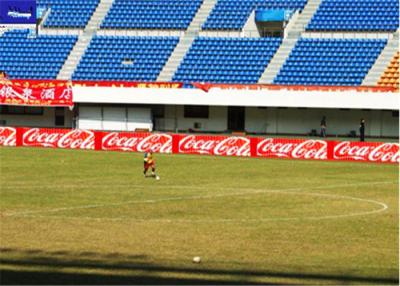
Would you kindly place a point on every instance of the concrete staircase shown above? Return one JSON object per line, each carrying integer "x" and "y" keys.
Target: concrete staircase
{"x": 277, "y": 61}
{"x": 98, "y": 15}
{"x": 250, "y": 28}
{"x": 303, "y": 18}
{"x": 375, "y": 73}
{"x": 293, "y": 32}
{"x": 84, "y": 40}
{"x": 186, "y": 41}
{"x": 75, "y": 56}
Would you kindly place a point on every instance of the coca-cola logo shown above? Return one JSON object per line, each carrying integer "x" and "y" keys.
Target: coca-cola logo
{"x": 8, "y": 136}
{"x": 227, "y": 146}
{"x": 161, "y": 143}
{"x": 307, "y": 149}
{"x": 73, "y": 139}
{"x": 386, "y": 152}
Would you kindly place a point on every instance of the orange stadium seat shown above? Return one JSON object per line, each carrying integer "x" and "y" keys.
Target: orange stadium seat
{"x": 390, "y": 76}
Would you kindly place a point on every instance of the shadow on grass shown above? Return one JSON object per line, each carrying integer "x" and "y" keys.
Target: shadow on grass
{"x": 66, "y": 268}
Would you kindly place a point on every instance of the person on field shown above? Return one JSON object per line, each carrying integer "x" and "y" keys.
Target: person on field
{"x": 149, "y": 163}
{"x": 323, "y": 127}
{"x": 362, "y": 130}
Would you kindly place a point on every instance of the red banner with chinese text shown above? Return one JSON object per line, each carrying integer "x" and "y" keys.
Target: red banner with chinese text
{"x": 36, "y": 93}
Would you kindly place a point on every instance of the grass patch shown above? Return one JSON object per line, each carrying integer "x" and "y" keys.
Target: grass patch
{"x": 83, "y": 217}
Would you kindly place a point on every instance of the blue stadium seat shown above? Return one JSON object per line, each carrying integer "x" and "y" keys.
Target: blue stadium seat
{"x": 68, "y": 13}
{"x": 227, "y": 60}
{"x": 233, "y": 14}
{"x": 33, "y": 58}
{"x": 107, "y": 58}
{"x": 151, "y": 14}
{"x": 357, "y": 15}
{"x": 330, "y": 61}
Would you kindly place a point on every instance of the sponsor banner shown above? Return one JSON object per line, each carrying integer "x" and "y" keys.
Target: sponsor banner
{"x": 36, "y": 93}
{"x": 8, "y": 136}
{"x": 137, "y": 142}
{"x": 292, "y": 148}
{"x": 58, "y": 138}
{"x": 215, "y": 145}
{"x": 202, "y": 144}
{"x": 367, "y": 152}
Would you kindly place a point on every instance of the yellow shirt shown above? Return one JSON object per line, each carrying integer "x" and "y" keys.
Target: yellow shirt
{"x": 148, "y": 157}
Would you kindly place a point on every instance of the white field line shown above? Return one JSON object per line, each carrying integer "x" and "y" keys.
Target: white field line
{"x": 248, "y": 191}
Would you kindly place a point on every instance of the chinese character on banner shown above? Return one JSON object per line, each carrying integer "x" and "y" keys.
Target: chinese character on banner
{"x": 7, "y": 92}
{"x": 67, "y": 93}
{"x": 47, "y": 94}
{"x": 27, "y": 94}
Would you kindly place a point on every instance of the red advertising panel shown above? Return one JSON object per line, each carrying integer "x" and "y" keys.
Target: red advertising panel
{"x": 292, "y": 148}
{"x": 202, "y": 144}
{"x": 57, "y": 93}
{"x": 58, "y": 138}
{"x": 367, "y": 151}
{"x": 137, "y": 142}
{"x": 215, "y": 145}
{"x": 8, "y": 136}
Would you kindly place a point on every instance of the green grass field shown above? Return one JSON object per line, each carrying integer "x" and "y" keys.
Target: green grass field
{"x": 84, "y": 217}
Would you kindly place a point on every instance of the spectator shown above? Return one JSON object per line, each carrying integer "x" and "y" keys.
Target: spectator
{"x": 323, "y": 127}
{"x": 362, "y": 129}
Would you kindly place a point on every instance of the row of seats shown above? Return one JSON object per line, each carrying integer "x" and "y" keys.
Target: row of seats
{"x": 68, "y": 13}
{"x": 390, "y": 77}
{"x": 151, "y": 14}
{"x": 332, "y": 15}
{"x": 216, "y": 60}
{"x": 220, "y": 60}
{"x": 104, "y": 56}
{"x": 317, "y": 70}
{"x": 233, "y": 15}
{"x": 33, "y": 58}
{"x": 356, "y": 15}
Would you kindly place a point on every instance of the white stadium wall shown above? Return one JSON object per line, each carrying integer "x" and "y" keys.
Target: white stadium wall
{"x": 267, "y": 111}
{"x": 217, "y": 121}
{"x": 379, "y": 123}
{"x": 120, "y": 118}
{"x": 346, "y": 98}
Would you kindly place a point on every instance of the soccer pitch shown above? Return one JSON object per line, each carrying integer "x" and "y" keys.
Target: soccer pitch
{"x": 85, "y": 217}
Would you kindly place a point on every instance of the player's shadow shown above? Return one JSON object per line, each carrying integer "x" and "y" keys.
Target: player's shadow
{"x": 23, "y": 267}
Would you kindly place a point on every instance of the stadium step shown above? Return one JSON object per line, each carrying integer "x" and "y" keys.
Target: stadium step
{"x": 84, "y": 39}
{"x": 304, "y": 17}
{"x": 74, "y": 57}
{"x": 250, "y": 28}
{"x": 277, "y": 61}
{"x": 375, "y": 73}
{"x": 99, "y": 14}
{"x": 186, "y": 41}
